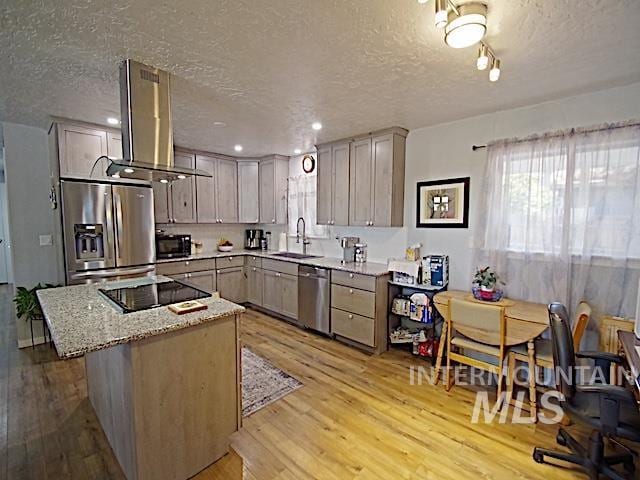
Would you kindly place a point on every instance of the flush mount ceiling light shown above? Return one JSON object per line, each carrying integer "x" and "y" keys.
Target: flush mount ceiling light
{"x": 238, "y": 148}
{"x": 316, "y": 125}
{"x": 113, "y": 121}
{"x": 297, "y": 151}
{"x": 466, "y": 25}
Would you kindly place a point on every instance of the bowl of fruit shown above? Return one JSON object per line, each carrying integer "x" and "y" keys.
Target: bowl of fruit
{"x": 225, "y": 245}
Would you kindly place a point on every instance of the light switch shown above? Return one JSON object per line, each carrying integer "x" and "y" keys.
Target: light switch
{"x": 45, "y": 240}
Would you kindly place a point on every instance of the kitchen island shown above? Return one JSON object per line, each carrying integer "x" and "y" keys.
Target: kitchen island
{"x": 165, "y": 387}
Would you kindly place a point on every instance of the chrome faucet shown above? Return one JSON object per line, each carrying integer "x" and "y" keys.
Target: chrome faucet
{"x": 305, "y": 240}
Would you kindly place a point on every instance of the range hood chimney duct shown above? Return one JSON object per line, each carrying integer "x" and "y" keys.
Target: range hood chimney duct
{"x": 147, "y": 130}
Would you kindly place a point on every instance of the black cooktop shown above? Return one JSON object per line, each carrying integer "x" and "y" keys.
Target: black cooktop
{"x": 142, "y": 297}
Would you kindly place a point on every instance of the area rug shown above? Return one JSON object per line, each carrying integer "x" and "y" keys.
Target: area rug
{"x": 262, "y": 383}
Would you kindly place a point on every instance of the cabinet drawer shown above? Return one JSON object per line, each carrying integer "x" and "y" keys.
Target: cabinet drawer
{"x": 253, "y": 261}
{"x": 353, "y": 300}
{"x": 185, "y": 266}
{"x": 354, "y": 327}
{"x": 280, "y": 266}
{"x": 228, "y": 262}
{"x": 355, "y": 280}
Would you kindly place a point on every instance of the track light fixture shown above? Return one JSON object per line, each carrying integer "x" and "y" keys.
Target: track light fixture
{"x": 483, "y": 57}
{"x": 494, "y": 73}
{"x": 441, "y": 13}
{"x": 465, "y": 25}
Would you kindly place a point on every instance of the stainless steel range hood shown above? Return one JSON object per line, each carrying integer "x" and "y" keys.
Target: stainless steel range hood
{"x": 147, "y": 131}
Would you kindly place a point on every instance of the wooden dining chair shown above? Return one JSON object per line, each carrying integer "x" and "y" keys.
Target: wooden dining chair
{"x": 476, "y": 327}
{"x": 544, "y": 351}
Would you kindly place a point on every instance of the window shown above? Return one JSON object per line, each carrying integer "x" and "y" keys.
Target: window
{"x": 576, "y": 194}
{"x": 302, "y": 203}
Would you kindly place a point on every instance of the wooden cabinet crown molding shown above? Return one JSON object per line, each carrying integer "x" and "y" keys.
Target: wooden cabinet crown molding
{"x": 403, "y": 132}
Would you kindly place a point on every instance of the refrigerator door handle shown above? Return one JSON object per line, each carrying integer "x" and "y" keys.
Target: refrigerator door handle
{"x": 113, "y": 272}
{"x": 117, "y": 221}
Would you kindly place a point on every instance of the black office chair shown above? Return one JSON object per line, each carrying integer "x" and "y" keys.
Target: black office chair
{"x": 609, "y": 409}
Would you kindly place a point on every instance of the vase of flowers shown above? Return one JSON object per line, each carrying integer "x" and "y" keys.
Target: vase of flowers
{"x": 485, "y": 281}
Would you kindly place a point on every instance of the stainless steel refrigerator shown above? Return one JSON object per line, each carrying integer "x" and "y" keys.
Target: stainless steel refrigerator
{"x": 109, "y": 231}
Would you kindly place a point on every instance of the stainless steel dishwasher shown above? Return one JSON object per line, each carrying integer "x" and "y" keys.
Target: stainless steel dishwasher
{"x": 313, "y": 298}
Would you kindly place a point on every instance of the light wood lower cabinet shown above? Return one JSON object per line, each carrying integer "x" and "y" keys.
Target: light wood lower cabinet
{"x": 255, "y": 285}
{"x": 359, "y": 306}
{"x": 204, "y": 280}
{"x": 355, "y": 327}
{"x": 232, "y": 284}
{"x": 168, "y": 404}
{"x": 280, "y": 292}
{"x": 289, "y": 293}
{"x": 271, "y": 299}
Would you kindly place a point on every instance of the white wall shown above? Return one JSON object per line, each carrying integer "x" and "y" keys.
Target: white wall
{"x": 444, "y": 151}
{"x": 28, "y": 178}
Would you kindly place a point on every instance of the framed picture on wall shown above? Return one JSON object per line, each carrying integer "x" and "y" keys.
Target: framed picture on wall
{"x": 443, "y": 203}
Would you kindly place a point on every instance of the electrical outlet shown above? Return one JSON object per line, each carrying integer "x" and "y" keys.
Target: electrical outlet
{"x": 45, "y": 240}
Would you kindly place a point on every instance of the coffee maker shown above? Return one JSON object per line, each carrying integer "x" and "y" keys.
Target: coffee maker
{"x": 252, "y": 238}
{"x": 348, "y": 245}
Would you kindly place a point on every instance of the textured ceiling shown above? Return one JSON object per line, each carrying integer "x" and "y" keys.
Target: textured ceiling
{"x": 268, "y": 69}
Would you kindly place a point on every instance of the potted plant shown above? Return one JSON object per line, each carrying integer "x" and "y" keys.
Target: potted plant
{"x": 27, "y": 304}
{"x": 484, "y": 282}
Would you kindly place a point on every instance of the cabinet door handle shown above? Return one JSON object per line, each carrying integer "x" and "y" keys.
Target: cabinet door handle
{"x": 277, "y": 274}
{"x": 350, "y": 317}
{"x": 273, "y": 220}
{"x": 351, "y": 275}
{"x": 351, "y": 291}
{"x": 254, "y": 269}
{"x": 187, "y": 263}
{"x": 217, "y": 271}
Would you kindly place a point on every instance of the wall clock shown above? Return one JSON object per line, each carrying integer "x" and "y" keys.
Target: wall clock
{"x": 308, "y": 163}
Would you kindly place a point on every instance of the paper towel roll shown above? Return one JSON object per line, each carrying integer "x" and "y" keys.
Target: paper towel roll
{"x": 282, "y": 242}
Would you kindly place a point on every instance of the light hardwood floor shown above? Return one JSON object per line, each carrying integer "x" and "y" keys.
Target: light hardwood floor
{"x": 357, "y": 417}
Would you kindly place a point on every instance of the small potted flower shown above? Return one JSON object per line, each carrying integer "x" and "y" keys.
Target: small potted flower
{"x": 484, "y": 285}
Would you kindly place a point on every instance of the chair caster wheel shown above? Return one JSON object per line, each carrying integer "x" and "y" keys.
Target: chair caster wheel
{"x": 560, "y": 440}
{"x": 538, "y": 457}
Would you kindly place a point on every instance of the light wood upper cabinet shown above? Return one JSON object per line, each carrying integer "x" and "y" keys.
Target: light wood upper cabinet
{"x": 114, "y": 145}
{"x": 325, "y": 179}
{"x": 182, "y": 192}
{"x": 376, "y": 178}
{"x": 273, "y": 174}
{"x": 161, "y": 205}
{"x": 206, "y": 190}
{"x": 227, "y": 190}
{"x": 78, "y": 149}
{"x": 217, "y": 196}
{"x": 333, "y": 184}
{"x": 248, "y": 188}
{"x": 361, "y": 183}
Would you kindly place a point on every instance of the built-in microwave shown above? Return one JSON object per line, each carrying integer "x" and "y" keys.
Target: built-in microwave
{"x": 172, "y": 245}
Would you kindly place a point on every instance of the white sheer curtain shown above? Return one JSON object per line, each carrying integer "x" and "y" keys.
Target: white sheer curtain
{"x": 561, "y": 217}
{"x": 302, "y": 203}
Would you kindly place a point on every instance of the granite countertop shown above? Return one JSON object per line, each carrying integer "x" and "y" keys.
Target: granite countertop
{"x": 367, "y": 268}
{"x": 81, "y": 320}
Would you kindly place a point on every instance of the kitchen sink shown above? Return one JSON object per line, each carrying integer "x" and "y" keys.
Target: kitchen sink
{"x": 294, "y": 255}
